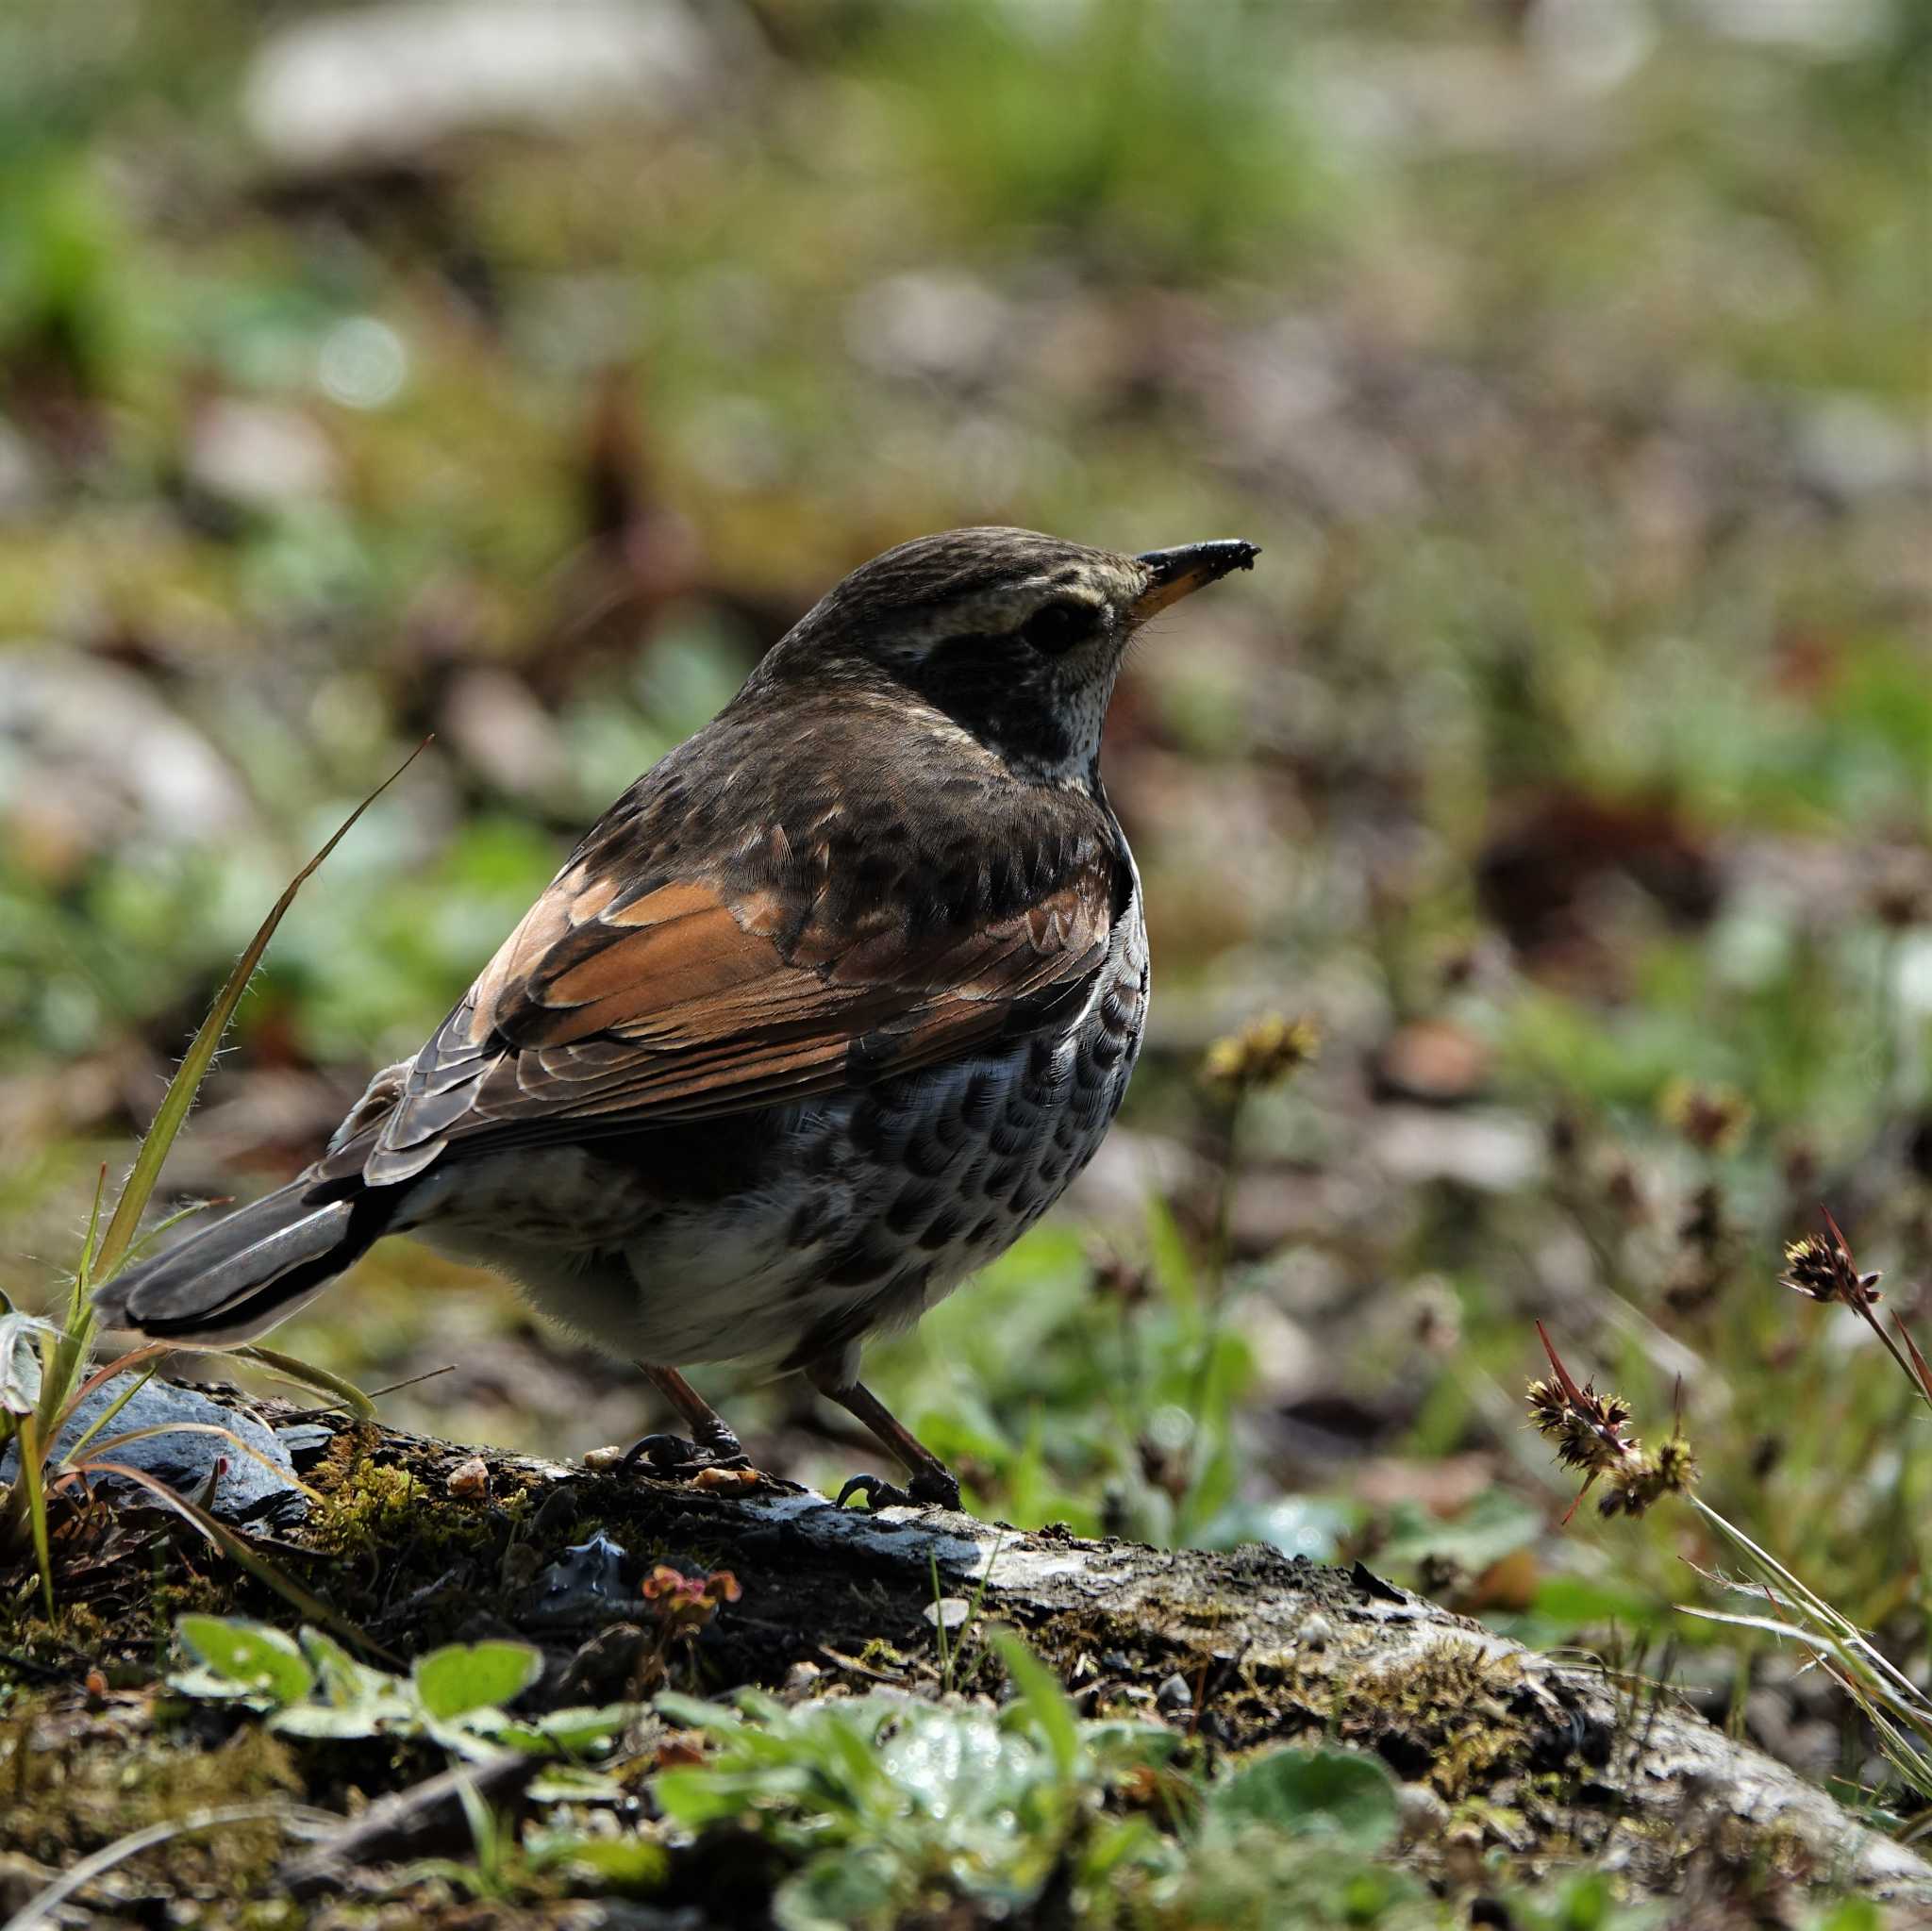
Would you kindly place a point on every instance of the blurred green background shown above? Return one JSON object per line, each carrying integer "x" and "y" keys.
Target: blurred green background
{"x": 519, "y": 374}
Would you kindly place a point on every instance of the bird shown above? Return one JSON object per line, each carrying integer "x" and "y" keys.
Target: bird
{"x": 825, "y": 1011}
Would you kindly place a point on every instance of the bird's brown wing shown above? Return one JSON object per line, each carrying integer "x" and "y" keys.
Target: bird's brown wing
{"x": 604, "y": 1011}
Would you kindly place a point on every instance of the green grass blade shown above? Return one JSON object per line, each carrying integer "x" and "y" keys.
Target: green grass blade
{"x": 182, "y": 1088}
{"x": 31, "y": 1487}
{"x": 1040, "y": 1690}
{"x": 78, "y": 1336}
{"x": 308, "y": 1375}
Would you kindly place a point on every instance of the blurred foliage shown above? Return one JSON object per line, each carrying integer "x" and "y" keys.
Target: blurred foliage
{"x": 1573, "y": 741}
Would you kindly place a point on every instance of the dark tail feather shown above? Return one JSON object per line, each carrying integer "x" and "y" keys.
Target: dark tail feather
{"x": 237, "y": 1278}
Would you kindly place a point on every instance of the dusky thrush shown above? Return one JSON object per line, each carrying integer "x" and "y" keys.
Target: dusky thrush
{"x": 821, "y": 1015}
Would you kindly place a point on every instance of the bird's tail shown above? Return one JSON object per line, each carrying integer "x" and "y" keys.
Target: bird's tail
{"x": 239, "y": 1278}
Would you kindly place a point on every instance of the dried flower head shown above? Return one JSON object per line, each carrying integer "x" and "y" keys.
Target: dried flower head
{"x": 1437, "y": 1315}
{"x": 1264, "y": 1050}
{"x": 1670, "y": 1469}
{"x": 1820, "y": 1265}
{"x": 1588, "y": 1430}
{"x": 1900, "y": 896}
{"x": 1703, "y": 1225}
{"x": 1624, "y": 1191}
{"x": 1713, "y": 1119}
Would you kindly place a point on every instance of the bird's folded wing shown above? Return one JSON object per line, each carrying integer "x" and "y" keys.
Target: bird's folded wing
{"x": 605, "y": 1011}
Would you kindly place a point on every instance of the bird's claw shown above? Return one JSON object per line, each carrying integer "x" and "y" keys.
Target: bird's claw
{"x": 878, "y": 1493}
{"x": 927, "y": 1490}
{"x": 672, "y": 1455}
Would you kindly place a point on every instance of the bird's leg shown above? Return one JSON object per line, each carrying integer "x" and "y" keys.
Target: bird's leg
{"x": 932, "y": 1481}
{"x": 713, "y": 1444}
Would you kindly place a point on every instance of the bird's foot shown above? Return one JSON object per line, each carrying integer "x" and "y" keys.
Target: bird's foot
{"x": 675, "y": 1458}
{"x": 928, "y": 1489}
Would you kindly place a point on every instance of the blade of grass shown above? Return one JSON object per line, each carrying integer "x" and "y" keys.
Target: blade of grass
{"x": 101, "y": 1253}
{"x": 78, "y": 1336}
{"x": 182, "y": 1088}
{"x": 1814, "y": 1606}
{"x": 1854, "y": 1670}
{"x": 1921, "y": 1368}
{"x": 29, "y": 1486}
{"x": 307, "y": 1375}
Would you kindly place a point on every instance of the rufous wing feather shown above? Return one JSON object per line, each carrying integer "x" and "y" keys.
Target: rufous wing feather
{"x": 603, "y": 1012}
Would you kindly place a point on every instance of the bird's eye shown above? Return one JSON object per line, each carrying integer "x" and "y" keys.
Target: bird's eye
{"x": 1057, "y": 628}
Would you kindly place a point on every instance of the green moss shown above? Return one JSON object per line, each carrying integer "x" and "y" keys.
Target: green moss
{"x": 73, "y": 1784}
{"x": 1451, "y": 1709}
{"x": 369, "y": 1504}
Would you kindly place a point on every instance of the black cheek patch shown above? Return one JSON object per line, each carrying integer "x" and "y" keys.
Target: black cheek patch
{"x": 998, "y": 689}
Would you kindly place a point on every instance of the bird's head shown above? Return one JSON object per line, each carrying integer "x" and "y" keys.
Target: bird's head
{"x": 1015, "y": 636}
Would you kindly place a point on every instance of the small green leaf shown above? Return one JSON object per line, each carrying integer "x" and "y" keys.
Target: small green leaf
{"x": 1854, "y": 1914}
{"x": 323, "y": 1720}
{"x": 860, "y": 1885}
{"x": 346, "y": 1684}
{"x": 575, "y": 1731}
{"x": 574, "y": 1783}
{"x": 696, "y": 1797}
{"x": 474, "y": 1675}
{"x": 1338, "y": 1793}
{"x": 628, "y": 1864}
{"x": 480, "y": 1733}
{"x": 719, "y": 1719}
{"x": 1043, "y": 1699}
{"x": 253, "y": 1658}
{"x": 1495, "y": 1524}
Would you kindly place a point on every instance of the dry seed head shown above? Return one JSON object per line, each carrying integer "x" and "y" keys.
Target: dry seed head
{"x": 1712, "y": 1118}
{"x": 1901, "y": 894}
{"x": 1823, "y": 1269}
{"x": 1644, "y": 1480}
{"x": 1586, "y": 1428}
{"x": 1264, "y": 1050}
{"x": 1623, "y": 1189}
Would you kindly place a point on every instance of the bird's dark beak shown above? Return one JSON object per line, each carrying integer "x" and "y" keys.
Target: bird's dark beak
{"x": 1176, "y": 574}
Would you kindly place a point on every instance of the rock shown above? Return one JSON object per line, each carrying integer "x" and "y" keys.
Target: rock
{"x": 377, "y": 84}
{"x": 1496, "y": 1152}
{"x": 248, "y": 1490}
{"x": 95, "y": 758}
{"x": 258, "y": 455}
{"x": 470, "y": 1481}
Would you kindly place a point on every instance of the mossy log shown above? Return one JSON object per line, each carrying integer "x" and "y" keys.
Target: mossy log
{"x": 421, "y": 1542}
